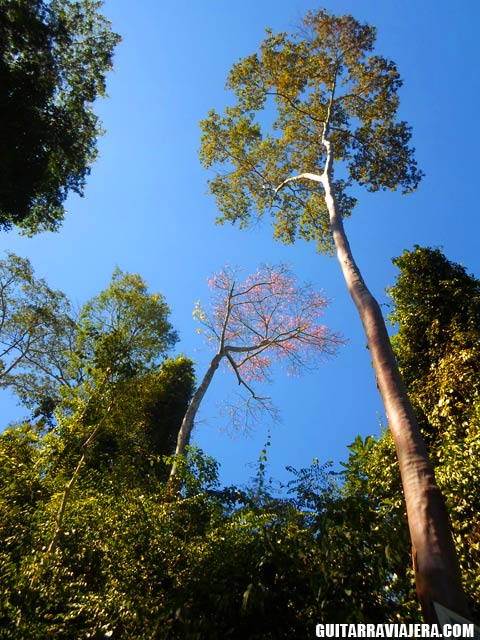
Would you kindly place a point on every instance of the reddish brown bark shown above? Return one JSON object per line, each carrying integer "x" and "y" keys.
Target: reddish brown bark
{"x": 437, "y": 572}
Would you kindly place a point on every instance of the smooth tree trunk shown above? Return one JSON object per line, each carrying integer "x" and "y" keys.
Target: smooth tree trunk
{"x": 437, "y": 572}
{"x": 188, "y": 421}
{"x": 186, "y": 428}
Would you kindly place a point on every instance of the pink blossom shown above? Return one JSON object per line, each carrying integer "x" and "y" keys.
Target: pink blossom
{"x": 266, "y": 317}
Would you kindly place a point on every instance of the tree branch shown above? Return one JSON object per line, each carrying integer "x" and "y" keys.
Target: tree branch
{"x": 314, "y": 177}
{"x": 241, "y": 381}
{"x": 248, "y": 348}
{"x": 227, "y": 317}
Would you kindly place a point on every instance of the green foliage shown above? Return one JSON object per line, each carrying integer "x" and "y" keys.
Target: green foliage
{"x": 54, "y": 58}
{"x": 95, "y": 544}
{"x": 141, "y": 563}
{"x": 36, "y": 328}
{"x": 372, "y": 503}
{"x": 458, "y": 473}
{"x": 325, "y": 82}
{"x": 142, "y": 424}
{"x": 372, "y": 480}
{"x": 138, "y": 561}
{"x": 164, "y": 407}
{"x": 49, "y": 354}
{"x": 437, "y": 310}
{"x": 67, "y": 491}
{"x": 124, "y": 330}
{"x": 102, "y": 378}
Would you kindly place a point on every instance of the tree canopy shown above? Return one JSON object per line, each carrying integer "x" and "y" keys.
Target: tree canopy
{"x": 125, "y": 329}
{"x": 96, "y": 542}
{"x": 48, "y": 348}
{"x": 325, "y": 78}
{"x": 63, "y": 364}
{"x": 53, "y": 62}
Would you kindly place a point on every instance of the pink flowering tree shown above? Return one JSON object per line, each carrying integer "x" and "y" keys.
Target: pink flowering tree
{"x": 265, "y": 318}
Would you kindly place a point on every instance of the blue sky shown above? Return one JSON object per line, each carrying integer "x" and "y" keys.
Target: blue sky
{"x": 146, "y": 207}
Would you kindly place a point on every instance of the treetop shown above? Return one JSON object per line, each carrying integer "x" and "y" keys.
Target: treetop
{"x": 297, "y": 91}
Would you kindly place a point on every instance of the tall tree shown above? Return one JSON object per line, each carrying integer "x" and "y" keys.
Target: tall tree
{"x": 266, "y": 317}
{"x": 435, "y": 309}
{"x": 123, "y": 339}
{"x": 335, "y": 107}
{"x": 54, "y": 56}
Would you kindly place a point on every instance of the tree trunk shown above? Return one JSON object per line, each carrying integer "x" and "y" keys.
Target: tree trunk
{"x": 437, "y": 573}
{"x": 186, "y": 428}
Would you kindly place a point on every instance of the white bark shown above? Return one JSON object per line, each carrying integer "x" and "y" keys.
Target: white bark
{"x": 188, "y": 421}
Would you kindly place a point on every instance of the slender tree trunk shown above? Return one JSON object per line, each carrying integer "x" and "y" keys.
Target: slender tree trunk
{"x": 437, "y": 573}
{"x": 186, "y": 428}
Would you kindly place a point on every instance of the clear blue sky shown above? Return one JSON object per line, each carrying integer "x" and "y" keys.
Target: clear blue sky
{"x": 146, "y": 208}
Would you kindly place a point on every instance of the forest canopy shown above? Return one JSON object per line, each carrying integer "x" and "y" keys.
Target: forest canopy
{"x": 114, "y": 522}
{"x": 129, "y": 557}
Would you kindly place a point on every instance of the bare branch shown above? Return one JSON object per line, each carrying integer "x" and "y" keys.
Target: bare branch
{"x": 314, "y": 177}
{"x": 227, "y": 316}
{"x": 240, "y": 379}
